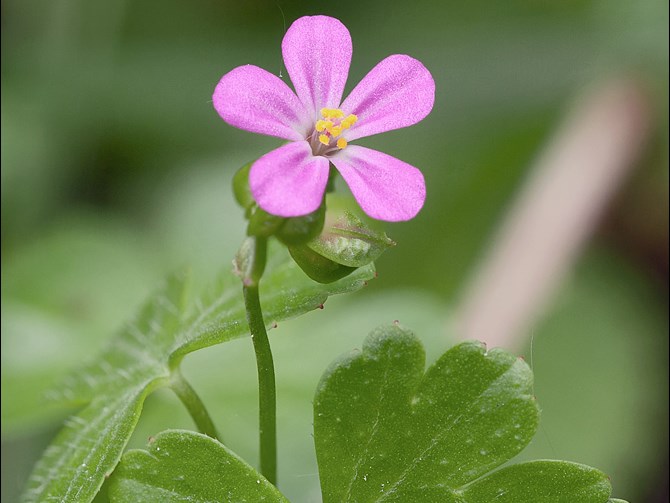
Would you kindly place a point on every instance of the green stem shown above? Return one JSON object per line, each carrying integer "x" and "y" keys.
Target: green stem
{"x": 267, "y": 400}
{"x": 193, "y": 404}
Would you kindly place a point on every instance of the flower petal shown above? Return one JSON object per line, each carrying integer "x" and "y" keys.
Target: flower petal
{"x": 397, "y": 93}
{"x": 317, "y": 54}
{"x": 255, "y": 100}
{"x": 289, "y": 181}
{"x": 385, "y": 187}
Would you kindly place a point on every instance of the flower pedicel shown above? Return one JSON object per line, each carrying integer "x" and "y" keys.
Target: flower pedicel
{"x": 291, "y": 180}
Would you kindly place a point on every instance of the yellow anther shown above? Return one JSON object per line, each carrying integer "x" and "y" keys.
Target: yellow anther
{"x": 332, "y": 113}
{"x": 333, "y": 124}
{"x": 349, "y": 121}
{"x": 321, "y": 125}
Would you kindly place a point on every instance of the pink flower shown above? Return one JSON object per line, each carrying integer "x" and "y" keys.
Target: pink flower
{"x": 291, "y": 180}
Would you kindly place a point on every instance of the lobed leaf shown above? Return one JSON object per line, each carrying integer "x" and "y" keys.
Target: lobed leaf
{"x": 385, "y": 431}
{"x": 184, "y": 466}
{"x": 142, "y": 357}
{"x": 541, "y": 482}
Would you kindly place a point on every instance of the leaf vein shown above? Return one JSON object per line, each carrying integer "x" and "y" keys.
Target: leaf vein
{"x": 440, "y": 436}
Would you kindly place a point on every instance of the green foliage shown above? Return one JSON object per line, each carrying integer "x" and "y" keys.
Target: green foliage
{"x": 74, "y": 467}
{"x": 384, "y": 431}
{"x": 318, "y": 267}
{"x": 541, "y": 482}
{"x": 290, "y": 231}
{"x": 181, "y": 466}
{"x": 298, "y": 230}
{"x": 64, "y": 293}
{"x": 348, "y": 240}
{"x": 262, "y": 223}
{"x": 349, "y": 237}
{"x": 163, "y": 167}
{"x": 142, "y": 357}
{"x": 598, "y": 350}
{"x": 241, "y": 189}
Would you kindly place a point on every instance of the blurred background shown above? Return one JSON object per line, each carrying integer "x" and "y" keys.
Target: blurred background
{"x": 116, "y": 170}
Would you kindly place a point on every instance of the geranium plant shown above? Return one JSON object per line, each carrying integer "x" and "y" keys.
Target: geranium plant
{"x": 385, "y": 427}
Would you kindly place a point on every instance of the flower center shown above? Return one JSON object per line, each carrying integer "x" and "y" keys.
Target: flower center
{"x": 330, "y": 127}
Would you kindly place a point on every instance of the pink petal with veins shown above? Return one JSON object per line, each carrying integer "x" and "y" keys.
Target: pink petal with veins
{"x": 289, "y": 181}
{"x": 386, "y": 188}
{"x": 317, "y": 54}
{"x": 253, "y": 99}
{"x": 397, "y": 93}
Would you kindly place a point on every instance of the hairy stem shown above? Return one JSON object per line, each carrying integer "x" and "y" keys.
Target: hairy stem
{"x": 194, "y": 406}
{"x": 267, "y": 400}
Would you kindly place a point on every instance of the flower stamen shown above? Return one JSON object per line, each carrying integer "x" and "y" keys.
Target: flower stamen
{"x": 322, "y": 125}
{"x": 333, "y": 124}
{"x": 332, "y": 113}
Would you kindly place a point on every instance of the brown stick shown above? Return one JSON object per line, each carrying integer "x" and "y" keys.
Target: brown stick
{"x": 554, "y": 215}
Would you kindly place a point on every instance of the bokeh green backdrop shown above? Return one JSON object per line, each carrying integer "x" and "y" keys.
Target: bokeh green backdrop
{"x": 116, "y": 170}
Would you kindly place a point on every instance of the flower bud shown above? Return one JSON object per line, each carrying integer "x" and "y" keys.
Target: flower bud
{"x": 348, "y": 241}
{"x": 349, "y": 237}
{"x": 318, "y": 267}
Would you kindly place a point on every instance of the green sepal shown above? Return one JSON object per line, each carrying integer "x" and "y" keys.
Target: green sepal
{"x": 241, "y": 189}
{"x": 347, "y": 241}
{"x": 262, "y": 223}
{"x": 318, "y": 267}
{"x": 290, "y": 231}
{"x": 349, "y": 238}
{"x": 300, "y": 230}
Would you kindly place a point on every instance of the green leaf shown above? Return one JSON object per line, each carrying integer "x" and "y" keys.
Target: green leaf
{"x": 384, "y": 431}
{"x": 65, "y": 291}
{"x": 74, "y": 466}
{"x": 541, "y": 482}
{"x": 586, "y": 359}
{"x": 141, "y": 359}
{"x": 285, "y": 293}
{"x": 183, "y": 466}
